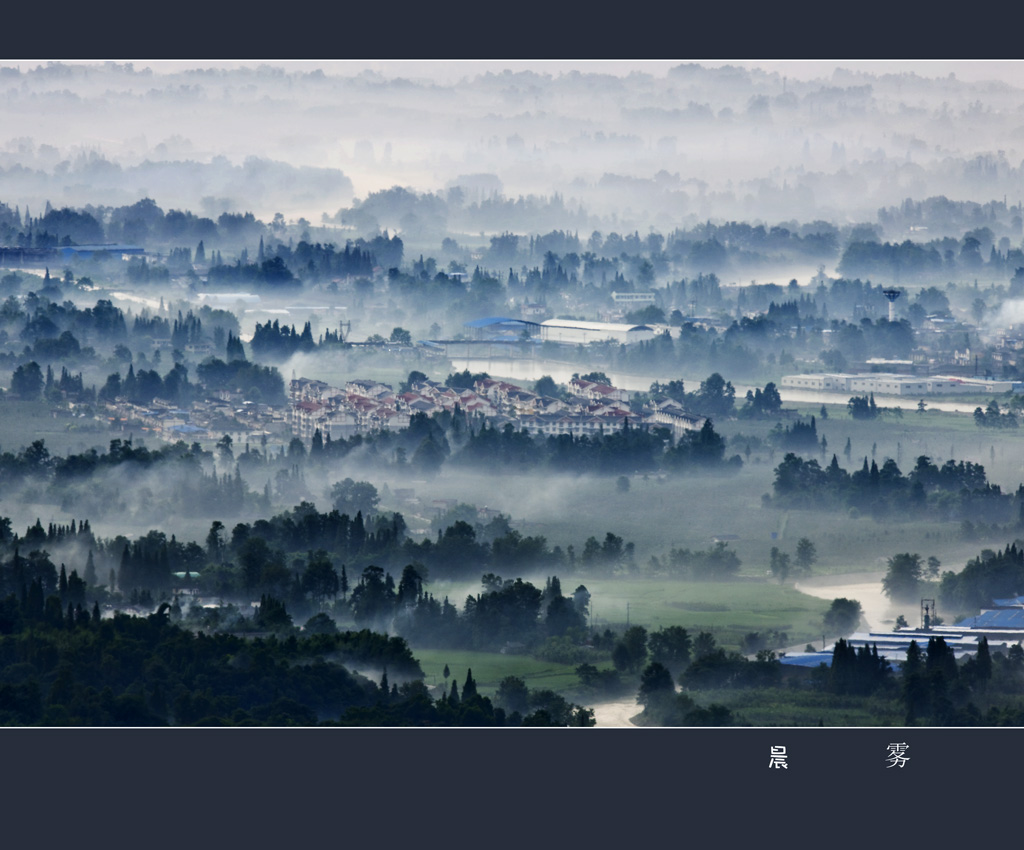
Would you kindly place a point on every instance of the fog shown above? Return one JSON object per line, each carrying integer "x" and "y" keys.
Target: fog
{"x": 336, "y": 221}
{"x": 623, "y": 145}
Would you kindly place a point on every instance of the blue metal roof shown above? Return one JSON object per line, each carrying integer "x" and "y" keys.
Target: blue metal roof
{"x": 807, "y": 659}
{"x": 1007, "y": 618}
{"x": 498, "y": 320}
{"x": 188, "y": 429}
{"x": 1008, "y": 603}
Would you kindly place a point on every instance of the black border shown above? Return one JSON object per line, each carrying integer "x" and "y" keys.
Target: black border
{"x": 601, "y": 788}
{"x": 525, "y": 30}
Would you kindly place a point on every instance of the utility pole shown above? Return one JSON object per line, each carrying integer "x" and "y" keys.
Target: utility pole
{"x": 627, "y": 615}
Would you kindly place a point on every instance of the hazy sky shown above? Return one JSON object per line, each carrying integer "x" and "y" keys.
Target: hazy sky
{"x": 970, "y": 70}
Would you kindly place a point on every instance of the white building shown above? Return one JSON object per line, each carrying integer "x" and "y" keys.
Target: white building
{"x": 633, "y": 298}
{"x": 897, "y": 385}
{"x": 572, "y": 332}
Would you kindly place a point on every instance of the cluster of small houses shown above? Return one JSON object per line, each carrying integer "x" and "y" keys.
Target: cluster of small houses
{"x": 203, "y": 421}
{"x": 365, "y": 406}
{"x": 362, "y": 406}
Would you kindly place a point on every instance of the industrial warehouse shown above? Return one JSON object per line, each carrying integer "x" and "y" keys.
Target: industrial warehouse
{"x": 897, "y": 385}
{"x": 1002, "y": 626}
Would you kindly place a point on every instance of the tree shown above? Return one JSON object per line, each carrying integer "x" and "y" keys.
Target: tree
{"x": 350, "y": 497}
{"x": 655, "y": 684}
{"x": 670, "y": 646}
{"x": 403, "y": 337}
{"x": 428, "y": 457}
{"x": 902, "y": 581}
{"x": 27, "y": 381}
{"x": 271, "y": 614}
{"x": 581, "y": 599}
{"x": 546, "y": 386}
{"x": 983, "y": 659}
{"x": 320, "y": 624}
{"x": 863, "y": 407}
{"x": 634, "y": 649}
{"x": 513, "y": 695}
{"x": 806, "y": 554}
{"x": 715, "y": 398}
{"x": 779, "y": 564}
{"x": 319, "y": 579}
{"x": 469, "y": 688}
{"x": 415, "y": 377}
{"x": 843, "y": 616}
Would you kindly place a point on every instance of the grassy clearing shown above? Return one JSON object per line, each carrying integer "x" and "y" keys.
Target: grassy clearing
{"x": 798, "y": 707}
{"x": 21, "y": 422}
{"x": 489, "y": 668}
{"x": 658, "y": 515}
{"x": 729, "y": 610}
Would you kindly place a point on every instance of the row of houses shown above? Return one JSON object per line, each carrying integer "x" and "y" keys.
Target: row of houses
{"x": 203, "y": 421}
{"x": 362, "y": 406}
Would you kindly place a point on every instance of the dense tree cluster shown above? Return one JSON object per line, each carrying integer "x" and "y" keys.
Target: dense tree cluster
{"x": 154, "y": 673}
{"x": 954, "y": 491}
{"x": 993, "y": 417}
{"x": 991, "y": 575}
{"x": 715, "y": 564}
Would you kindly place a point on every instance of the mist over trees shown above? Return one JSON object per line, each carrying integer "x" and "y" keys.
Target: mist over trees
{"x": 232, "y": 469}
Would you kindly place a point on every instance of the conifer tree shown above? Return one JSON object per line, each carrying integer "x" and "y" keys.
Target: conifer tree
{"x": 984, "y": 660}
{"x": 469, "y": 688}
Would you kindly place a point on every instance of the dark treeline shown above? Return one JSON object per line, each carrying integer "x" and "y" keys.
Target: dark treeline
{"x": 41, "y": 319}
{"x": 954, "y": 491}
{"x": 471, "y": 442}
{"x": 982, "y": 690}
{"x": 293, "y": 555}
{"x": 73, "y": 668}
{"x": 38, "y": 333}
{"x": 508, "y": 614}
{"x": 991, "y": 575}
{"x": 915, "y": 261}
{"x": 627, "y": 450}
{"x": 929, "y": 689}
{"x": 94, "y": 481}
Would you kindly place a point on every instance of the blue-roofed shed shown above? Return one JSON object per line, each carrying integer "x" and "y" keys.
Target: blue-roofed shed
{"x": 1005, "y": 618}
{"x": 807, "y": 659}
{"x": 68, "y": 252}
{"x": 1015, "y": 602}
{"x": 503, "y": 326}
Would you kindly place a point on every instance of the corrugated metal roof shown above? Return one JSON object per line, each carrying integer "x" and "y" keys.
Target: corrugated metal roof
{"x": 611, "y": 327}
{"x": 1007, "y": 618}
{"x": 498, "y": 320}
{"x": 1008, "y": 603}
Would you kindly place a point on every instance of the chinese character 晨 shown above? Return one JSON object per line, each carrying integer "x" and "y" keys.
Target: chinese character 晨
{"x": 778, "y": 758}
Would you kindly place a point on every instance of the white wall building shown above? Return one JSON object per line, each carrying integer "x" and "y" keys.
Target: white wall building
{"x": 897, "y": 385}
{"x": 572, "y": 332}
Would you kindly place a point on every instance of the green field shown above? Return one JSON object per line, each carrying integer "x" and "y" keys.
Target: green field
{"x": 21, "y": 422}
{"x": 690, "y": 512}
{"x": 793, "y": 707}
{"x": 489, "y": 668}
{"x": 729, "y": 610}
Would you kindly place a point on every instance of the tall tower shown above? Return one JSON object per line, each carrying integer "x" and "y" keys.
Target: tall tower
{"x": 892, "y": 295}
